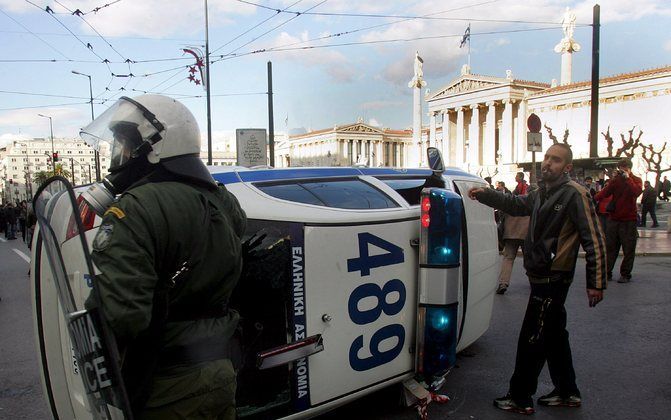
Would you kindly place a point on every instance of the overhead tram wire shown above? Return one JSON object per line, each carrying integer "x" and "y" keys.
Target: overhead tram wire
{"x": 183, "y": 40}
{"x": 13, "y": 92}
{"x": 381, "y": 41}
{"x": 35, "y": 35}
{"x": 43, "y": 106}
{"x": 255, "y": 26}
{"x": 67, "y": 29}
{"x": 272, "y": 29}
{"x": 339, "y": 34}
{"x": 94, "y": 30}
{"x": 366, "y": 15}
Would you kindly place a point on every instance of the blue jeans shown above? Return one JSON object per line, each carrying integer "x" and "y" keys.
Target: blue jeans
{"x": 11, "y": 230}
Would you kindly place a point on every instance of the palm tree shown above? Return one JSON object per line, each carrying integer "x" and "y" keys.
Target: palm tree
{"x": 40, "y": 177}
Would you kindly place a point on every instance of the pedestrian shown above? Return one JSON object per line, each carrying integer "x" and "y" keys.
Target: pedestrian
{"x": 665, "y": 189}
{"x": 624, "y": 187}
{"x": 562, "y": 219}
{"x": 3, "y": 220}
{"x": 169, "y": 254}
{"x": 648, "y": 203}
{"x": 514, "y": 231}
{"x": 501, "y": 186}
{"x": 22, "y": 212}
{"x": 488, "y": 179}
{"x": 10, "y": 219}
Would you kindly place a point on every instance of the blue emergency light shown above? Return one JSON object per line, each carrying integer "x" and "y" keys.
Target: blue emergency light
{"x": 438, "y": 353}
{"x": 441, "y": 228}
{"x": 440, "y": 255}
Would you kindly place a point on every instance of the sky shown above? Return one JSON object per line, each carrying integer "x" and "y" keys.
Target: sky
{"x": 359, "y": 65}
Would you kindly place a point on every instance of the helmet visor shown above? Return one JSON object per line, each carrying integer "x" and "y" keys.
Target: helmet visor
{"x": 120, "y": 130}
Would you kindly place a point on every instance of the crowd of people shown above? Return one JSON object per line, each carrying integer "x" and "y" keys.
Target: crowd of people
{"x": 13, "y": 218}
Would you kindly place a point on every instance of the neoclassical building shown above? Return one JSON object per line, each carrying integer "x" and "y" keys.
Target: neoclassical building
{"x": 346, "y": 145}
{"x": 479, "y": 122}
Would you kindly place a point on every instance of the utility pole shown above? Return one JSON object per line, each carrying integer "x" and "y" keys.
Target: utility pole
{"x": 207, "y": 89}
{"x": 271, "y": 119}
{"x": 594, "y": 105}
{"x": 53, "y": 153}
{"x": 96, "y": 153}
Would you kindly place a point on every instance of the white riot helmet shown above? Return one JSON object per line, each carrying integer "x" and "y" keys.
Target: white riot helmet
{"x": 144, "y": 134}
{"x": 155, "y": 126}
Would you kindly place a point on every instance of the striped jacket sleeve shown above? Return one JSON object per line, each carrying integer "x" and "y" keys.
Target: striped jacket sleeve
{"x": 592, "y": 238}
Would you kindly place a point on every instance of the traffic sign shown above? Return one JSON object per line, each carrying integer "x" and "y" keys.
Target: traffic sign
{"x": 534, "y": 123}
{"x": 534, "y": 142}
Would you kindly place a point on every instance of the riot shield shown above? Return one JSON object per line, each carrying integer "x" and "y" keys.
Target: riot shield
{"x": 67, "y": 255}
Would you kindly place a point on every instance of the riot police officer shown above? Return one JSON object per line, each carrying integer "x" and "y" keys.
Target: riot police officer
{"x": 169, "y": 255}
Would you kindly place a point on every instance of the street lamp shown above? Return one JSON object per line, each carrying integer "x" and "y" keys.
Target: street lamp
{"x": 53, "y": 153}
{"x": 96, "y": 154}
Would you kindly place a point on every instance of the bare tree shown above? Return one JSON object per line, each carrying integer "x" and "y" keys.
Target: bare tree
{"x": 482, "y": 171}
{"x": 629, "y": 145}
{"x": 609, "y": 141}
{"x": 653, "y": 158}
{"x": 554, "y": 138}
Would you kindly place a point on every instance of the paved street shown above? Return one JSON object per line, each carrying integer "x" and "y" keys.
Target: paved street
{"x": 621, "y": 352}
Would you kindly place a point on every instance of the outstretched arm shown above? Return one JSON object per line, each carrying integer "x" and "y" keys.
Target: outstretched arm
{"x": 509, "y": 204}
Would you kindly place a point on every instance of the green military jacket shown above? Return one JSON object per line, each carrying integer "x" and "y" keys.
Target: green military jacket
{"x": 145, "y": 238}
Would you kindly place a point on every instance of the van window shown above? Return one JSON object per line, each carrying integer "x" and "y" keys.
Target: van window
{"x": 343, "y": 194}
{"x": 408, "y": 188}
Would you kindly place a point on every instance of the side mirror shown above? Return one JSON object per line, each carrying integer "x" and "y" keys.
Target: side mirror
{"x": 435, "y": 159}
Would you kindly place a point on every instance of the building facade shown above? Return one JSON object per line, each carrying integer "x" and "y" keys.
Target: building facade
{"x": 346, "y": 145}
{"x": 479, "y": 122}
{"x": 21, "y": 160}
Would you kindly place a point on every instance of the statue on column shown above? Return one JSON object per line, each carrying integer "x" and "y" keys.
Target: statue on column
{"x": 418, "y": 79}
{"x": 568, "y": 23}
{"x": 568, "y": 44}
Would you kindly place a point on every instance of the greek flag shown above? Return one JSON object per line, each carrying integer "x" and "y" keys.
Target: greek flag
{"x": 467, "y": 36}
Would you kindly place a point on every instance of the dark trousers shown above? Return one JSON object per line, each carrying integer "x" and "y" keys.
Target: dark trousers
{"x": 625, "y": 235}
{"x": 544, "y": 338}
{"x": 648, "y": 209}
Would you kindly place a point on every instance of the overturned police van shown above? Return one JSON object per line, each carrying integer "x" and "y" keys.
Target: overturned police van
{"x": 355, "y": 279}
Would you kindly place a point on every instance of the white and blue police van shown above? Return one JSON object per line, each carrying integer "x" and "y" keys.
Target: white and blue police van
{"x": 356, "y": 279}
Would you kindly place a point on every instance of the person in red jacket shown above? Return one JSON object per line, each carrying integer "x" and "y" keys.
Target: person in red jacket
{"x": 624, "y": 187}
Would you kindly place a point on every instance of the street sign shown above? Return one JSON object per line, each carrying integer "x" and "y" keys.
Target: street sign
{"x": 534, "y": 123}
{"x": 251, "y": 147}
{"x": 534, "y": 142}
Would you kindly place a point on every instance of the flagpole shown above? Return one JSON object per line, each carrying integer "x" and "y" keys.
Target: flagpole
{"x": 469, "y": 47}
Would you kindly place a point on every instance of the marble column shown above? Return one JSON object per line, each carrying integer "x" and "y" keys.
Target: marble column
{"x": 433, "y": 140}
{"x": 445, "y": 137}
{"x": 459, "y": 143}
{"x": 521, "y": 148}
{"x": 474, "y": 137}
{"x": 489, "y": 147}
{"x": 506, "y": 135}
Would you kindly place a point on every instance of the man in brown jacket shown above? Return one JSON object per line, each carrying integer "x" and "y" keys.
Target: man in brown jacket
{"x": 514, "y": 231}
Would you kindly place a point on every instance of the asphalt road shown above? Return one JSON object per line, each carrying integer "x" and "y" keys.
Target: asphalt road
{"x": 621, "y": 351}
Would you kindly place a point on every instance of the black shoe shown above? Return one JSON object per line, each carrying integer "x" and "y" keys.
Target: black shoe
{"x": 507, "y": 403}
{"x": 501, "y": 289}
{"x": 624, "y": 279}
{"x": 555, "y": 399}
{"x": 654, "y": 226}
